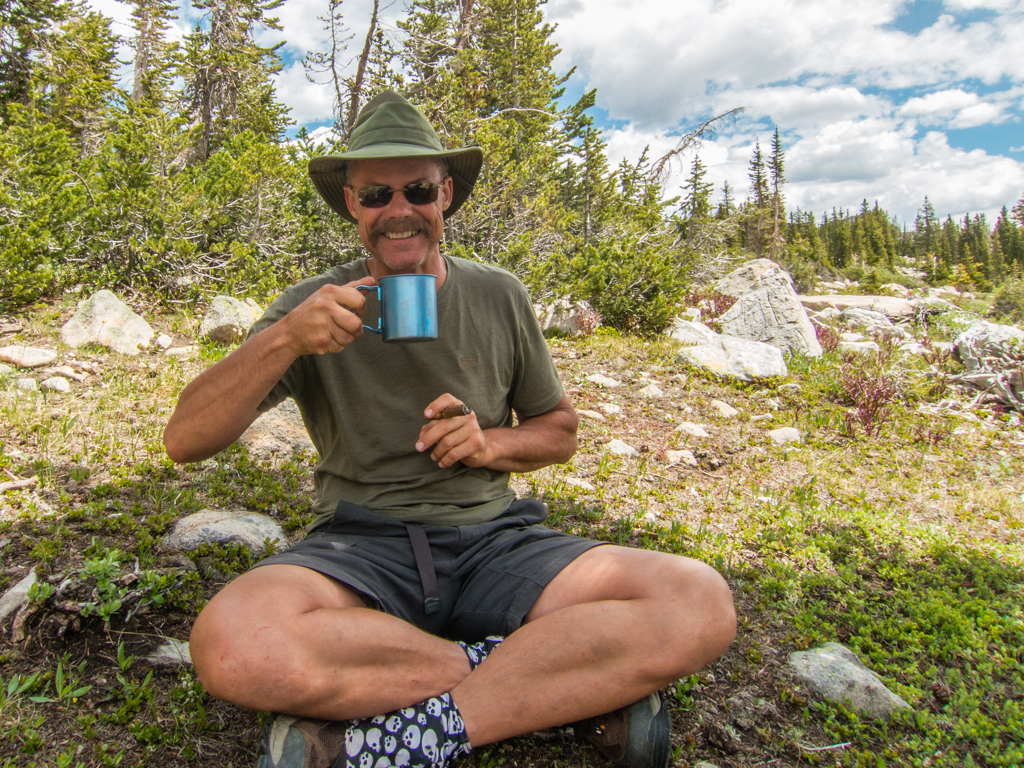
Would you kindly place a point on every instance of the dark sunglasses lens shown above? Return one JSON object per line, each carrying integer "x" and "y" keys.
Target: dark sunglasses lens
{"x": 375, "y": 197}
{"x": 421, "y": 194}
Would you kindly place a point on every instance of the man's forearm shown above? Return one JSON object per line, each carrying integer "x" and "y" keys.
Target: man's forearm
{"x": 535, "y": 443}
{"x": 218, "y": 405}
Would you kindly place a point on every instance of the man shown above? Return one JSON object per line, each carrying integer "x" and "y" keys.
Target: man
{"x": 379, "y": 637}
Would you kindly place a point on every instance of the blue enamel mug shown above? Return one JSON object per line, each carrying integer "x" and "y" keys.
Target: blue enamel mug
{"x": 408, "y": 307}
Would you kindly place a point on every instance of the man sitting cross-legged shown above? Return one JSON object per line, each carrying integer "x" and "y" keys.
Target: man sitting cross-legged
{"x": 378, "y": 638}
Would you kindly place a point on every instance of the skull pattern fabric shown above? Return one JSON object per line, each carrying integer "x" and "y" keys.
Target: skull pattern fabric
{"x": 427, "y": 735}
{"x": 477, "y": 652}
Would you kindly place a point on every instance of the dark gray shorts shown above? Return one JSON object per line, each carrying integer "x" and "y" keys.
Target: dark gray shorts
{"x": 488, "y": 575}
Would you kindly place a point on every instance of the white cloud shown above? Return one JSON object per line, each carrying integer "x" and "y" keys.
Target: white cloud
{"x": 309, "y": 102}
{"x": 941, "y": 103}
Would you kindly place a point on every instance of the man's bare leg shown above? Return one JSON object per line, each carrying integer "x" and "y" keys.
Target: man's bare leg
{"x": 614, "y": 626}
{"x": 288, "y": 639}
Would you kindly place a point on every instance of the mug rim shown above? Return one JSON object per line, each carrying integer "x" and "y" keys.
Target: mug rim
{"x": 407, "y": 274}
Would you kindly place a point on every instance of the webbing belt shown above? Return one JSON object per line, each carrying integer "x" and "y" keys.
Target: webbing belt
{"x": 425, "y": 565}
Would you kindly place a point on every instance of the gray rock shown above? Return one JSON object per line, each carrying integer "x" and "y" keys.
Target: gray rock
{"x": 257, "y": 310}
{"x": 5, "y": 369}
{"x": 15, "y": 598}
{"x": 181, "y": 351}
{"x": 575, "y": 482}
{"x": 610, "y": 409}
{"x": 681, "y": 457}
{"x": 27, "y": 357}
{"x": 67, "y": 372}
{"x": 705, "y": 764}
{"x": 771, "y": 312}
{"x": 691, "y": 333}
{"x": 603, "y": 381}
{"x": 278, "y": 433}
{"x": 791, "y": 388}
{"x": 784, "y": 435}
{"x": 164, "y": 341}
{"x": 619, "y": 448}
{"x": 889, "y": 306}
{"x": 55, "y": 384}
{"x": 652, "y": 391}
{"x": 745, "y": 279}
{"x": 577, "y": 319}
{"x": 215, "y": 526}
{"x": 106, "y": 320}
{"x": 741, "y": 359}
{"x": 594, "y": 415}
{"x": 836, "y": 674}
{"x": 866, "y": 318}
{"x": 851, "y": 336}
{"x": 26, "y": 385}
{"x": 932, "y": 306}
{"x": 982, "y": 339}
{"x": 172, "y": 653}
{"x": 827, "y": 313}
{"x": 859, "y": 347}
{"x": 912, "y": 347}
{"x": 227, "y": 320}
{"x": 694, "y": 430}
{"x": 724, "y": 410}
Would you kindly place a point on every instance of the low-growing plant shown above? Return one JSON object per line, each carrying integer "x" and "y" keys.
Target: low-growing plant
{"x": 873, "y": 392}
{"x": 828, "y": 337}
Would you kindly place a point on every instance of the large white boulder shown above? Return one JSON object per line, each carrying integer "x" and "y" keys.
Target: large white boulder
{"x": 227, "y": 320}
{"x": 891, "y": 306}
{"x": 579, "y": 319}
{"x": 691, "y": 333}
{"x": 745, "y": 279}
{"x": 770, "y": 311}
{"x": 741, "y": 359}
{"x": 106, "y": 320}
{"x": 984, "y": 339}
{"x": 278, "y": 433}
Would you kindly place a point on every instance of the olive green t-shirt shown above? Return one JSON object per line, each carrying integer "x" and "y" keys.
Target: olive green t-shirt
{"x": 363, "y": 407}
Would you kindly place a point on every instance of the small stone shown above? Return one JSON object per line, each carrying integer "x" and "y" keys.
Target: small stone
{"x": 591, "y": 415}
{"x": 851, "y": 336}
{"x": 681, "y": 457}
{"x": 603, "y": 381}
{"x": 181, "y": 351}
{"x": 55, "y": 384}
{"x": 763, "y": 417}
{"x": 790, "y": 388}
{"x": 164, "y": 341}
{"x": 911, "y": 347}
{"x": 227, "y": 320}
{"x": 27, "y": 385}
{"x": 619, "y": 448}
{"x": 68, "y": 373}
{"x": 652, "y": 390}
{"x": 858, "y": 347}
{"x": 835, "y": 673}
{"x": 575, "y": 482}
{"x": 280, "y": 432}
{"x": 5, "y": 369}
{"x": 27, "y": 357}
{"x": 725, "y": 410}
{"x": 15, "y": 598}
{"x": 785, "y": 435}
{"x": 172, "y": 653}
{"x": 610, "y": 409}
{"x": 705, "y": 764}
{"x": 694, "y": 430}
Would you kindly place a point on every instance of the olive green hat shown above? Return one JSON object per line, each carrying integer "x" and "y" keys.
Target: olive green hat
{"x": 390, "y": 127}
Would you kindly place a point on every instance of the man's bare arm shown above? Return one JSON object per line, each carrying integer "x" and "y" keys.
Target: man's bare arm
{"x": 218, "y": 405}
{"x": 542, "y": 440}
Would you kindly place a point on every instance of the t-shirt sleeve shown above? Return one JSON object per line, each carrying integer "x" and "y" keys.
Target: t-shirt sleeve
{"x": 291, "y": 381}
{"x": 536, "y": 386}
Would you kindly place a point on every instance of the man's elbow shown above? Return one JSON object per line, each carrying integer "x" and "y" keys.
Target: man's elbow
{"x": 176, "y": 449}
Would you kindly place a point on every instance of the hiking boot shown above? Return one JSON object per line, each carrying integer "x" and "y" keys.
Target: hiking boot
{"x": 636, "y": 736}
{"x": 294, "y": 742}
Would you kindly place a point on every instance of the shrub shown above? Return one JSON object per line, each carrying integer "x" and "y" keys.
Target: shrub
{"x": 1009, "y": 301}
{"x": 828, "y": 337}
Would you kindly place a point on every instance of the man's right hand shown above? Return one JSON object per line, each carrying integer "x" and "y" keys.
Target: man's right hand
{"x": 328, "y": 321}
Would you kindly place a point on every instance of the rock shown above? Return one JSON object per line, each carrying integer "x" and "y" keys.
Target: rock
{"x": 619, "y": 448}
{"x": 887, "y": 305}
{"x": 603, "y": 381}
{"x": 27, "y": 357}
{"x": 15, "y": 598}
{"x": 992, "y": 355}
{"x": 744, "y": 279}
{"x": 280, "y": 432}
{"x": 737, "y": 358}
{"x": 680, "y": 457}
{"x": 859, "y": 347}
{"x": 227, "y": 320}
{"x": 982, "y": 339}
{"x": 763, "y": 417}
{"x": 792, "y": 389}
{"x": 26, "y": 385}
{"x": 575, "y": 482}
{"x": 579, "y": 319}
{"x": 214, "y": 526}
{"x": 784, "y": 435}
{"x": 911, "y": 347}
{"x": 932, "y": 306}
{"x": 900, "y": 290}
{"x": 652, "y": 391}
{"x": 691, "y": 313}
{"x": 172, "y": 653}
{"x": 691, "y": 333}
{"x": 873, "y": 321}
{"x": 827, "y": 313}
{"x": 836, "y": 674}
{"x": 851, "y": 336}
{"x": 591, "y": 415}
{"x": 256, "y": 309}
{"x": 67, "y": 372}
{"x": 55, "y": 384}
{"x": 181, "y": 351}
{"x": 705, "y": 764}
{"x": 5, "y": 369}
{"x": 164, "y": 341}
{"x": 724, "y": 410}
{"x": 694, "y": 430}
{"x": 769, "y": 310}
{"x": 943, "y": 346}
{"x": 610, "y": 409}
{"x": 106, "y": 320}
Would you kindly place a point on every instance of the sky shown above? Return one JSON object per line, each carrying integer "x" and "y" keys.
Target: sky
{"x": 877, "y": 99}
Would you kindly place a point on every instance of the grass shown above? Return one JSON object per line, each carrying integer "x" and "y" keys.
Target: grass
{"x": 894, "y": 530}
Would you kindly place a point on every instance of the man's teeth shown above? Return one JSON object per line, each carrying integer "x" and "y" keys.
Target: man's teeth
{"x": 398, "y": 235}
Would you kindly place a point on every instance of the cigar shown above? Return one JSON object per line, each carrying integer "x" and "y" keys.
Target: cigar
{"x": 452, "y": 411}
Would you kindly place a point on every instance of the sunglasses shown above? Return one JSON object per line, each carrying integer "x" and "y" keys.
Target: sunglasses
{"x": 417, "y": 193}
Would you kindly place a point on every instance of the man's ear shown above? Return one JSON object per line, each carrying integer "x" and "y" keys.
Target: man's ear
{"x": 352, "y": 203}
{"x": 447, "y": 192}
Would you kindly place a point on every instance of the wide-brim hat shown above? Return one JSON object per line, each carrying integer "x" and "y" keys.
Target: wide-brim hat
{"x": 390, "y": 127}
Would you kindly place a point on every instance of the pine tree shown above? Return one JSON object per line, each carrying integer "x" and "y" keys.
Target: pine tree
{"x": 727, "y": 206}
{"x": 155, "y": 56}
{"x": 757, "y": 206}
{"x": 24, "y": 28}
{"x": 697, "y": 198}
{"x": 777, "y": 173}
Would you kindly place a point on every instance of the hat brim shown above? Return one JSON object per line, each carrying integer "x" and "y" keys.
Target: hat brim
{"x": 328, "y": 173}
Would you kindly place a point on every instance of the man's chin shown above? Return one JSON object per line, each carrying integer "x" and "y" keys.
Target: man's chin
{"x": 401, "y": 258}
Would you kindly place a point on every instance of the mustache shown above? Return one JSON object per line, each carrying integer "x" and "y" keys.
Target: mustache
{"x": 410, "y": 223}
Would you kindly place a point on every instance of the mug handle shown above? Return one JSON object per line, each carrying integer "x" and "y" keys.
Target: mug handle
{"x": 380, "y": 319}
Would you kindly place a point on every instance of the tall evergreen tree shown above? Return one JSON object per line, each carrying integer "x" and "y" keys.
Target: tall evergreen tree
{"x": 777, "y": 175}
{"x": 155, "y": 56}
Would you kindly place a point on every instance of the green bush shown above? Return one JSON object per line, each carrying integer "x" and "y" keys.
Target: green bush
{"x": 1008, "y": 302}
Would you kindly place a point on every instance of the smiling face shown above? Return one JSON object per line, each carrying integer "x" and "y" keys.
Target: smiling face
{"x": 402, "y": 238}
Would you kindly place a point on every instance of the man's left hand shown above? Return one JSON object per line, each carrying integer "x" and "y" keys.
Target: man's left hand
{"x": 456, "y": 439}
